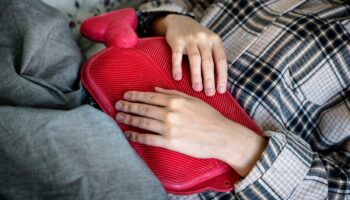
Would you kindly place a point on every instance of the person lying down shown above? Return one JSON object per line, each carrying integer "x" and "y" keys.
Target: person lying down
{"x": 286, "y": 62}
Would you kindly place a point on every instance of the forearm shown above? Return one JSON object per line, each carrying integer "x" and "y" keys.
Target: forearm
{"x": 241, "y": 147}
{"x": 291, "y": 168}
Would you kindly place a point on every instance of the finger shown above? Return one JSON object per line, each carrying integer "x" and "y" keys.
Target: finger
{"x": 146, "y": 138}
{"x": 141, "y": 122}
{"x": 177, "y": 54}
{"x": 195, "y": 66}
{"x": 140, "y": 109}
{"x": 207, "y": 68}
{"x": 220, "y": 66}
{"x": 152, "y": 98}
{"x": 171, "y": 92}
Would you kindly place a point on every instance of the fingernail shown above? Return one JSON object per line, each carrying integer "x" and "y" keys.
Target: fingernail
{"x": 197, "y": 87}
{"x": 118, "y": 105}
{"x": 119, "y": 117}
{"x": 126, "y": 95}
{"x": 177, "y": 76}
{"x": 221, "y": 89}
{"x": 210, "y": 91}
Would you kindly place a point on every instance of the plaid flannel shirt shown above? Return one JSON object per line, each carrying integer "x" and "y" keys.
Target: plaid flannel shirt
{"x": 289, "y": 67}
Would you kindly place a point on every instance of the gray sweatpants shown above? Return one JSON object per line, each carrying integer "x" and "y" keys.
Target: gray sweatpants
{"x": 51, "y": 145}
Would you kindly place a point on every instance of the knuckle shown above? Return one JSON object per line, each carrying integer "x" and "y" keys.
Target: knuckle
{"x": 196, "y": 76}
{"x": 143, "y": 123}
{"x": 209, "y": 80}
{"x": 172, "y": 104}
{"x": 143, "y": 109}
{"x": 201, "y": 35}
{"x": 221, "y": 59}
{"x": 133, "y": 121}
{"x": 221, "y": 55}
{"x": 207, "y": 61}
{"x": 128, "y": 106}
{"x": 194, "y": 55}
{"x": 179, "y": 41}
{"x": 131, "y": 95}
{"x": 171, "y": 131}
{"x": 215, "y": 37}
{"x": 134, "y": 95}
{"x": 170, "y": 117}
{"x": 149, "y": 97}
{"x": 123, "y": 106}
{"x": 177, "y": 52}
{"x": 132, "y": 136}
{"x": 188, "y": 38}
{"x": 195, "y": 58}
{"x": 175, "y": 103}
{"x": 136, "y": 137}
{"x": 127, "y": 119}
{"x": 147, "y": 140}
{"x": 204, "y": 47}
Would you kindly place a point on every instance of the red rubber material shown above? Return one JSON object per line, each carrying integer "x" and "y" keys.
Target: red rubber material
{"x": 141, "y": 66}
{"x": 114, "y": 28}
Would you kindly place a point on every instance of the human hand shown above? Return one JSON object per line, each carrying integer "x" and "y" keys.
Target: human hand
{"x": 190, "y": 126}
{"x": 204, "y": 48}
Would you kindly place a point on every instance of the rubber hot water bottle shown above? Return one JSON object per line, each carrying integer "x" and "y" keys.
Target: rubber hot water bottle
{"x": 140, "y": 64}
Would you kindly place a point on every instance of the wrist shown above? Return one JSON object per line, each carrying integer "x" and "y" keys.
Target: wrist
{"x": 242, "y": 148}
{"x": 159, "y": 25}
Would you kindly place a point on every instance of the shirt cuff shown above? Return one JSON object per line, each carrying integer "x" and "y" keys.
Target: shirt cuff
{"x": 282, "y": 166}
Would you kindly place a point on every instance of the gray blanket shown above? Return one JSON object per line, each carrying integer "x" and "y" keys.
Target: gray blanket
{"x": 51, "y": 145}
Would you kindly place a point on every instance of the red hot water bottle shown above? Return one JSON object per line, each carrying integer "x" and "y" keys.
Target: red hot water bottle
{"x": 140, "y": 64}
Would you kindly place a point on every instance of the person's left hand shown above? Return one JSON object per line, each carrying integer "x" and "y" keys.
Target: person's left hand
{"x": 182, "y": 123}
{"x": 187, "y": 125}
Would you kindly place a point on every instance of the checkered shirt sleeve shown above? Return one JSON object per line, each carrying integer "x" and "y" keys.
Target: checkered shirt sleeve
{"x": 289, "y": 68}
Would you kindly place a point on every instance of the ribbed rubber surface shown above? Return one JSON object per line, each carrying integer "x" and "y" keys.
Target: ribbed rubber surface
{"x": 111, "y": 73}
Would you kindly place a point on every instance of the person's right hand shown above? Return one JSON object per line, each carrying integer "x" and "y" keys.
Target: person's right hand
{"x": 204, "y": 48}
